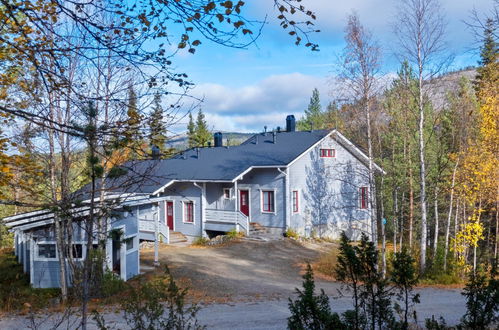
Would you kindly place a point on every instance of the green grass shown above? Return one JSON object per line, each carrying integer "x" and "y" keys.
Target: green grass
{"x": 15, "y": 290}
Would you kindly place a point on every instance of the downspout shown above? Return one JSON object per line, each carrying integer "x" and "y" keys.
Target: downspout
{"x": 203, "y": 204}
{"x": 286, "y": 198}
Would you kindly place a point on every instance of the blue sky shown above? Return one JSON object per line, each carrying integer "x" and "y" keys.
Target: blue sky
{"x": 245, "y": 89}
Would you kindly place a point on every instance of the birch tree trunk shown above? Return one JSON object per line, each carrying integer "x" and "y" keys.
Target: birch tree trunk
{"x": 449, "y": 215}
{"x": 435, "y": 240}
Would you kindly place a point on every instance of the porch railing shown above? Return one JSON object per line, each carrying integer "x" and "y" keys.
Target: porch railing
{"x": 237, "y": 218}
{"x": 149, "y": 225}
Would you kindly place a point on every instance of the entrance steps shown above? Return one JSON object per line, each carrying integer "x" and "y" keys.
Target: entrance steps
{"x": 177, "y": 238}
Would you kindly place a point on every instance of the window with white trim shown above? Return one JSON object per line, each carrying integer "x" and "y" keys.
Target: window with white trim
{"x": 363, "y": 197}
{"x": 47, "y": 251}
{"x": 130, "y": 243}
{"x": 227, "y": 193}
{"x": 268, "y": 202}
{"x": 189, "y": 212}
{"x": 328, "y": 153}
{"x": 296, "y": 201}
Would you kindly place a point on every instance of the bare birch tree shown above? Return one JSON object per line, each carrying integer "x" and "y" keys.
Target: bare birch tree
{"x": 420, "y": 29}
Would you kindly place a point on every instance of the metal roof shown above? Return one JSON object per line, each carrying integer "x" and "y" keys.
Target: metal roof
{"x": 215, "y": 164}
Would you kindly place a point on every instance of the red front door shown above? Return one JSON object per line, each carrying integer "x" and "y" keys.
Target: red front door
{"x": 169, "y": 215}
{"x": 244, "y": 202}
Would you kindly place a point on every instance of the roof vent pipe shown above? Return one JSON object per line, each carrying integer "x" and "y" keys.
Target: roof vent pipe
{"x": 290, "y": 123}
{"x": 197, "y": 153}
{"x": 265, "y": 130}
{"x": 218, "y": 137}
{"x": 274, "y": 137}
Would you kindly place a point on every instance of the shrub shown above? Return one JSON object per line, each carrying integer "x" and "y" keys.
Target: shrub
{"x": 111, "y": 284}
{"x": 291, "y": 233}
{"x": 200, "y": 241}
{"x": 482, "y": 301}
{"x": 15, "y": 289}
{"x": 310, "y": 311}
{"x": 233, "y": 233}
{"x": 160, "y": 304}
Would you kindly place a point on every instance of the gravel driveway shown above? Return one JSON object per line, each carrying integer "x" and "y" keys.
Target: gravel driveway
{"x": 245, "y": 285}
{"x": 240, "y": 271}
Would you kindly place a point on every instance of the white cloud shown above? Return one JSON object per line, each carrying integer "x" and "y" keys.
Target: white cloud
{"x": 266, "y": 102}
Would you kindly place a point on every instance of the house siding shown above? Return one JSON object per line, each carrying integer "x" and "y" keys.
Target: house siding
{"x": 179, "y": 193}
{"x": 265, "y": 179}
{"x": 344, "y": 175}
{"x": 132, "y": 264}
{"x": 45, "y": 274}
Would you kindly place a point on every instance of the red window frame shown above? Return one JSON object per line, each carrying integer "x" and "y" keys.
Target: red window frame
{"x": 328, "y": 153}
{"x": 268, "y": 201}
{"x": 296, "y": 201}
{"x": 189, "y": 212}
{"x": 363, "y": 192}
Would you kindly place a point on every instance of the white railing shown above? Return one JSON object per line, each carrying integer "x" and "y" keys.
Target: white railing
{"x": 229, "y": 217}
{"x": 150, "y": 226}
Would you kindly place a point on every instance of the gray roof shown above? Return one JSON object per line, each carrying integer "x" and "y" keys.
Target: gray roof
{"x": 216, "y": 163}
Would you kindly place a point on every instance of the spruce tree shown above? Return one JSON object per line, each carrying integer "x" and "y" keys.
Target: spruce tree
{"x": 191, "y": 132}
{"x": 157, "y": 127}
{"x": 310, "y": 311}
{"x": 313, "y": 118}
{"x": 202, "y": 135}
{"x": 132, "y": 133}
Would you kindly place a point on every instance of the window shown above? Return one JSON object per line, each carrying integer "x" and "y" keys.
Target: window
{"x": 329, "y": 153}
{"x": 296, "y": 201}
{"x": 77, "y": 251}
{"x": 129, "y": 243}
{"x": 268, "y": 201}
{"x": 227, "y": 193}
{"x": 189, "y": 212}
{"x": 47, "y": 251}
{"x": 363, "y": 197}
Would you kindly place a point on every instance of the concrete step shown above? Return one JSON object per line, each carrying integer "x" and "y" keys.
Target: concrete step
{"x": 177, "y": 237}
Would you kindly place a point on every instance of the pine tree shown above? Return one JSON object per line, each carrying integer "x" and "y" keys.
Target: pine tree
{"x": 157, "y": 127}
{"x": 202, "y": 135}
{"x": 313, "y": 118}
{"x": 191, "y": 132}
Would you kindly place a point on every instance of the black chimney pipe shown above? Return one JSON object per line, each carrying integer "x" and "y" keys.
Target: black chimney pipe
{"x": 290, "y": 123}
{"x": 218, "y": 137}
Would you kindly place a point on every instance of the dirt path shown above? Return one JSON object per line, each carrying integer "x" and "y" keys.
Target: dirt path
{"x": 239, "y": 271}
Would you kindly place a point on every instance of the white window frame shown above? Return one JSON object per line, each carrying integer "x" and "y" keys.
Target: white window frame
{"x": 298, "y": 201}
{"x": 333, "y": 152}
{"x": 261, "y": 201}
{"x": 193, "y": 212}
{"x": 135, "y": 240}
{"x": 37, "y": 258}
{"x": 223, "y": 192}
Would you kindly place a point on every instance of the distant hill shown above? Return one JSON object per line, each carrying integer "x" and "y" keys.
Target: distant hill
{"x": 229, "y": 138}
{"x": 439, "y": 87}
